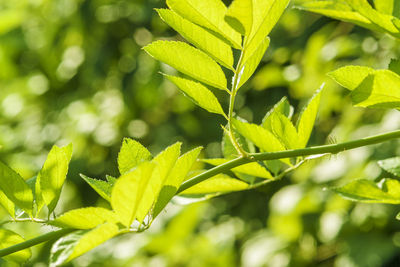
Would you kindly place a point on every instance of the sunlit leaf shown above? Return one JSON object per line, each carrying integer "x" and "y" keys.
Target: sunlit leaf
{"x": 10, "y": 19}
{"x": 103, "y": 188}
{"x": 132, "y": 153}
{"x": 175, "y": 178}
{"x": 350, "y": 77}
{"x": 253, "y": 168}
{"x": 15, "y": 188}
{"x": 250, "y": 65}
{"x": 51, "y": 177}
{"x": 228, "y": 149}
{"x": 387, "y": 191}
{"x": 386, "y": 6}
{"x": 181, "y": 56}
{"x": 201, "y": 38}
{"x": 391, "y": 165}
{"x": 284, "y": 129}
{"x": 7, "y": 204}
{"x": 240, "y": 16}
{"x": 282, "y": 107}
{"x": 220, "y": 183}
{"x": 128, "y": 191}
{"x": 208, "y": 14}
{"x": 164, "y": 162}
{"x": 9, "y": 238}
{"x": 307, "y": 118}
{"x": 198, "y": 93}
{"x": 84, "y": 218}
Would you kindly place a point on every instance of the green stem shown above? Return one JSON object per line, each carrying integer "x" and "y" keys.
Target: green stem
{"x": 325, "y": 149}
{"x": 35, "y": 241}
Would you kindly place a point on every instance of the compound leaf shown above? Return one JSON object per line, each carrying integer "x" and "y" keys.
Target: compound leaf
{"x": 103, "y": 188}
{"x": 7, "y": 204}
{"x": 240, "y": 16}
{"x": 220, "y": 183}
{"x": 188, "y": 60}
{"x": 253, "y": 168}
{"x": 198, "y": 93}
{"x": 132, "y": 153}
{"x": 201, "y": 38}
{"x": 9, "y": 238}
{"x": 350, "y": 77}
{"x": 282, "y": 107}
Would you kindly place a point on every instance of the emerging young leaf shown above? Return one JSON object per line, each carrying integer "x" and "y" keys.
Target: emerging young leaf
{"x": 220, "y": 183}
{"x": 132, "y": 153}
{"x": 9, "y": 238}
{"x": 84, "y": 218}
{"x": 198, "y": 93}
{"x": 240, "y": 16}
{"x": 388, "y": 191}
{"x": 182, "y": 57}
{"x": 128, "y": 191}
{"x": 307, "y": 118}
{"x": 103, "y": 188}
{"x": 201, "y": 38}
{"x": 175, "y": 179}
{"x": 253, "y": 168}
{"x": 15, "y": 189}
{"x": 391, "y": 165}
{"x": 77, "y": 243}
{"x": 51, "y": 177}
{"x": 208, "y": 14}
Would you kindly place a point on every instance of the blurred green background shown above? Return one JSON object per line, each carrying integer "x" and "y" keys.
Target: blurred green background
{"x": 73, "y": 71}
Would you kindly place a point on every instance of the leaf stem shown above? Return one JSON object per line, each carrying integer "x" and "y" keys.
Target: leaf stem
{"x": 35, "y": 241}
{"x": 324, "y": 149}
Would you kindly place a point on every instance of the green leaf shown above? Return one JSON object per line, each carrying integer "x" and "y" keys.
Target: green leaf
{"x": 164, "y": 161}
{"x": 208, "y": 14}
{"x": 201, "y": 38}
{"x": 198, "y": 93}
{"x": 10, "y": 19}
{"x": 250, "y": 64}
{"x": 253, "y": 168}
{"x": 7, "y": 204}
{"x": 266, "y": 14}
{"x": 175, "y": 179}
{"x": 103, "y": 188}
{"x": 77, "y": 243}
{"x": 51, "y": 177}
{"x": 229, "y": 151}
{"x": 16, "y": 189}
{"x": 84, "y": 218}
{"x": 283, "y": 128}
{"x": 307, "y": 118}
{"x": 128, "y": 191}
{"x": 220, "y": 183}
{"x": 350, "y": 77}
{"x": 391, "y": 165}
{"x": 388, "y": 7}
{"x": 282, "y": 107}
{"x": 381, "y": 90}
{"x": 395, "y": 66}
{"x": 132, "y": 153}
{"x": 387, "y": 191}
{"x": 181, "y": 56}
{"x": 9, "y": 238}
{"x": 240, "y": 16}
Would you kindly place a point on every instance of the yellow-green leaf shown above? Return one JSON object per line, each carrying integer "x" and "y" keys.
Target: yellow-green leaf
{"x": 283, "y": 107}
{"x": 240, "y": 16}
{"x": 7, "y": 204}
{"x": 132, "y": 153}
{"x": 208, "y": 14}
{"x": 284, "y": 129}
{"x": 9, "y": 238}
{"x": 16, "y": 189}
{"x": 350, "y": 77}
{"x": 84, "y": 218}
{"x": 188, "y": 60}
{"x": 201, "y": 38}
{"x": 306, "y": 121}
{"x": 128, "y": 191}
{"x": 253, "y": 168}
{"x": 220, "y": 183}
{"x": 198, "y": 93}
{"x": 103, "y": 188}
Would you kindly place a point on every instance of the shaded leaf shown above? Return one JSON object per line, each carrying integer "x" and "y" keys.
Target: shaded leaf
{"x": 181, "y": 56}
{"x": 391, "y": 165}
{"x": 220, "y": 183}
{"x": 9, "y": 238}
{"x": 395, "y": 66}
{"x": 208, "y": 14}
{"x": 240, "y": 16}
{"x": 253, "y": 168}
{"x": 15, "y": 189}
{"x": 84, "y": 218}
{"x": 132, "y": 153}
{"x": 201, "y": 38}
{"x": 198, "y": 93}
{"x": 388, "y": 191}
{"x": 103, "y": 188}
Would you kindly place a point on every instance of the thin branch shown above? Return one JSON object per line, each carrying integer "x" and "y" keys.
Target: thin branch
{"x": 330, "y": 149}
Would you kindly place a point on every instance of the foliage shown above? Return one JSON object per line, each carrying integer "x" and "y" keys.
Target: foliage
{"x": 229, "y": 43}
